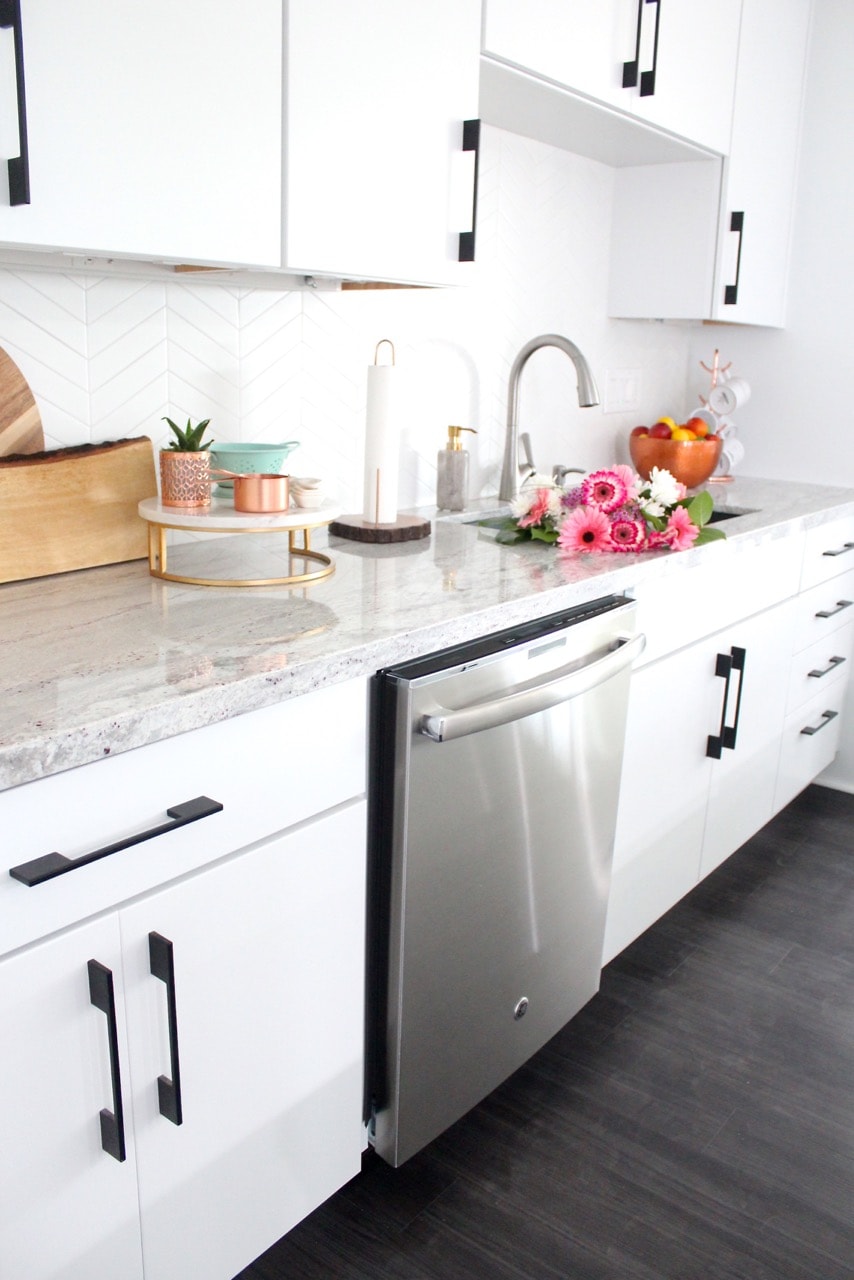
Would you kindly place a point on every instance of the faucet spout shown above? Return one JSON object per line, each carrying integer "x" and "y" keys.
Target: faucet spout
{"x": 588, "y": 395}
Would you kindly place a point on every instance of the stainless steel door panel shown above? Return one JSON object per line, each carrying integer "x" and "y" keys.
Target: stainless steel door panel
{"x": 503, "y": 842}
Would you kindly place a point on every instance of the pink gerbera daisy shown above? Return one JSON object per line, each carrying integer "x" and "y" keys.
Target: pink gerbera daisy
{"x": 538, "y": 510}
{"x": 681, "y": 532}
{"x": 627, "y": 533}
{"x": 585, "y": 529}
{"x": 604, "y": 489}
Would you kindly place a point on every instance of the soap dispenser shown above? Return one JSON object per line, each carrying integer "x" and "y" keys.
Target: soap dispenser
{"x": 452, "y": 472}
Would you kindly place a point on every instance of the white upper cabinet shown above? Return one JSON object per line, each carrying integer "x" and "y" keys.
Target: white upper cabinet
{"x": 718, "y": 246}
{"x": 760, "y": 174}
{"x": 152, "y": 130}
{"x": 662, "y": 63}
{"x": 319, "y": 136}
{"x": 377, "y": 93}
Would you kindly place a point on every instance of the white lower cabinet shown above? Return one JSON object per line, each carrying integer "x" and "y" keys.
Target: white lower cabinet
{"x": 259, "y": 1035}
{"x": 700, "y": 764}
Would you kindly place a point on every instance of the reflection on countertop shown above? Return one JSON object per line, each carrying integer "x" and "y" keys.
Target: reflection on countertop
{"x": 104, "y": 660}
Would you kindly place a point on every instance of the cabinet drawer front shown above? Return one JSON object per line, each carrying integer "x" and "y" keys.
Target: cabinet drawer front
{"x": 269, "y": 769}
{"x": 828, "y": 551}
{"x": 823, "y": 609}
{"x": 824, "y": 663}
{"x": 804, "y": 755}
{"x": 731, "y": 584}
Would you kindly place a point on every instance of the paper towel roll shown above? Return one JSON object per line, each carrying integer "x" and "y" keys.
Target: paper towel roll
{"x": 382, "y": 445}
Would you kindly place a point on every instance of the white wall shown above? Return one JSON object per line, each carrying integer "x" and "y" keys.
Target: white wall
{"x": 799, "y": 423}
{"x": 108, "y": 355}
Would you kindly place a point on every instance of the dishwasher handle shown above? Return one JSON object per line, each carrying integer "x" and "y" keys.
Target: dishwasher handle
{"x": 442, "y": 725}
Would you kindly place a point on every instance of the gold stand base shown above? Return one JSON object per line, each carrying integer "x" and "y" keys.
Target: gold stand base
{"x": 158, "y": 561}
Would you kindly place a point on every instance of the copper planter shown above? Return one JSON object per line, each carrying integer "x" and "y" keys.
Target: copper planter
{"x": 185, "y": 479}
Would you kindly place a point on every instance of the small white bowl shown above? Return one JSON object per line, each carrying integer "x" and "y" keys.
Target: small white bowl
{"x": 308, "y": 499}
{"x": 306, "y": 482}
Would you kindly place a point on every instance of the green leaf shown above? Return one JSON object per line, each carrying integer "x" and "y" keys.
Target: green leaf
{"x": 509, "y": 536}
{"x": 700, "y": 508}
{"x": 710, "y": 533}
{"x": 543, "y": 535}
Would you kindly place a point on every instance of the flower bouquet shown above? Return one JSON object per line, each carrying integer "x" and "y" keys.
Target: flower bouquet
{"x": 610, "y": 510}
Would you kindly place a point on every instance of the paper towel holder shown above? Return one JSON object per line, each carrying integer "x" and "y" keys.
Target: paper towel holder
{"x": 358, "y": 528}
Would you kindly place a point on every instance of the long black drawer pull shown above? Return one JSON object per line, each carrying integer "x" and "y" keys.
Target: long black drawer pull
{"x": 739, "y": 657}
{"x": 631, "y": 69}
{"x": 715, "y": 742}
{"x": 56, "y": 864}
{"x": 840, "y": 605}
{"x": 736, "y": 223}
{"x": 18, "y": 166}
{"x": 725, "y": 664}
{"x": 840, "y": 551}
{"x": 832, "y": 665}
{"x": 471, "y": 142}
{"x": 161, "y": 961}
{"x": 826, "y": 717}
{"x": 102, "y": 996}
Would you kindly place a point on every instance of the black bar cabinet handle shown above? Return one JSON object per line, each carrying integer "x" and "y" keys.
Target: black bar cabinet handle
{"x": 739, "y": 657}
{"x": 56, "y": 864}
{"x": 826, "y": 717}
{"x": 833, "y": 663}
{"x": 715, "y": 742}
{"x": 471, "y": 142}
{"x": 161, "y": 962}
{"x": 840, "y": 605}
{"x": 102, "y": 996}
{"x": 631, "y": 69}
{"x": 736, "y": 223}
{"x": 18, "y": 166}
{"x": 840, "y": 551}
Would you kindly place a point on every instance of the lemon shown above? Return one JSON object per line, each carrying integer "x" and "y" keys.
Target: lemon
{"x": 669, "y": 422}
{"x": 682, "y": 433}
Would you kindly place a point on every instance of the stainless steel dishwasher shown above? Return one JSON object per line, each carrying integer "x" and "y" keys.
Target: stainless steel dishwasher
{"x": 495, "y": 772}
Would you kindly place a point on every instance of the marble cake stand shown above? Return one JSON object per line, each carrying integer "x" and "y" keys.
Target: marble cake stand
{"x": 220, "y": 517}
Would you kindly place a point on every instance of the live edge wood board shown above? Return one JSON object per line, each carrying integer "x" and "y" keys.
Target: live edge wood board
{"x": 74, "y": 508}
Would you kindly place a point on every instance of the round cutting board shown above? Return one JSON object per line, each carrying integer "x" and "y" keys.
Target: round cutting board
{"x": 20, "y": 422}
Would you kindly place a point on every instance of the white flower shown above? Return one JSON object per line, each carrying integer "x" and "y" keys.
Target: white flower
{"x": 650, "y": 508}
{"x": 664, "y": 488}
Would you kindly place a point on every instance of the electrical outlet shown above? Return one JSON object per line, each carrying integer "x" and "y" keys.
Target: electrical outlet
{"x": 622, "y": 390}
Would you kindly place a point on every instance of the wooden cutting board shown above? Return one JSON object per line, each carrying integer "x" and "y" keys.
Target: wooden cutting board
{"x": 74, "y": 508}
{"x": 20, "y": 422}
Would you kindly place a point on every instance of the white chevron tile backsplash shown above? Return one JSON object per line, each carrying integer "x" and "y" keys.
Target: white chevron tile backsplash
{"x": 109, "y": 355}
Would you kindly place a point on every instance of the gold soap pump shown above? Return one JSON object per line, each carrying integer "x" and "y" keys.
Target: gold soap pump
{"x": 452, "y": 472}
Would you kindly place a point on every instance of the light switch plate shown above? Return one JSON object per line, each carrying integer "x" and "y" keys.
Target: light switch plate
{"x": 622, "y": 390}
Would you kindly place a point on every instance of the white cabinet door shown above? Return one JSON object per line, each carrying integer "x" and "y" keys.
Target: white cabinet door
{"x": 154, "y": 130}
{"x": 663, "y": 794}
{"x": 742, "y": 781}
{"x": 68, "y": 1209}
{"x": 757, "y": 204}
{"x": 376, "y": 96}
{"x": 656, "y": 62}
{"x": 718, "y": 247}
{"x": 716, "y": 711}
{"x": 268, "y": 957}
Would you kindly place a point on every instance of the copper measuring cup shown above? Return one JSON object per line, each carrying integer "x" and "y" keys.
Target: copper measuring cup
{"x": 258, "y": 493}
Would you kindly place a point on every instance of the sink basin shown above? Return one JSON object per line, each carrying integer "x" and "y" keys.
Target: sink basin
{"x": 718, "y": 515}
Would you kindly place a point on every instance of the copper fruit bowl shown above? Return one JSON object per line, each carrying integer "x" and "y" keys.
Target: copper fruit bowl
{"x": 690, "y": 461}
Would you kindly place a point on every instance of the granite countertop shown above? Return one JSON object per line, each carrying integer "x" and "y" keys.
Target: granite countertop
{"x": 104, "y": 660}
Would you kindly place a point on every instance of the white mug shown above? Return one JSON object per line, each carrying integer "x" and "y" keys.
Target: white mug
{"x": 726, "y": 397}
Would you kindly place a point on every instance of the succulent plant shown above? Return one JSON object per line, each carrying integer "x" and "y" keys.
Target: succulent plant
{"x": 189, "y": 439}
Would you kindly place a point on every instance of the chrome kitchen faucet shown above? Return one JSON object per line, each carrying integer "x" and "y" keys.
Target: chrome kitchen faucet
{"x": 588, "y": 395}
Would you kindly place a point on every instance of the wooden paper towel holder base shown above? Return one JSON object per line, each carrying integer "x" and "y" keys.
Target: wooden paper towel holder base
{"x": 403, "y": 529}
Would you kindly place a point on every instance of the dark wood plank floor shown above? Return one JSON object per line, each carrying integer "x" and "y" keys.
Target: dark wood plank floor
{"x": 694, "y": 1122}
